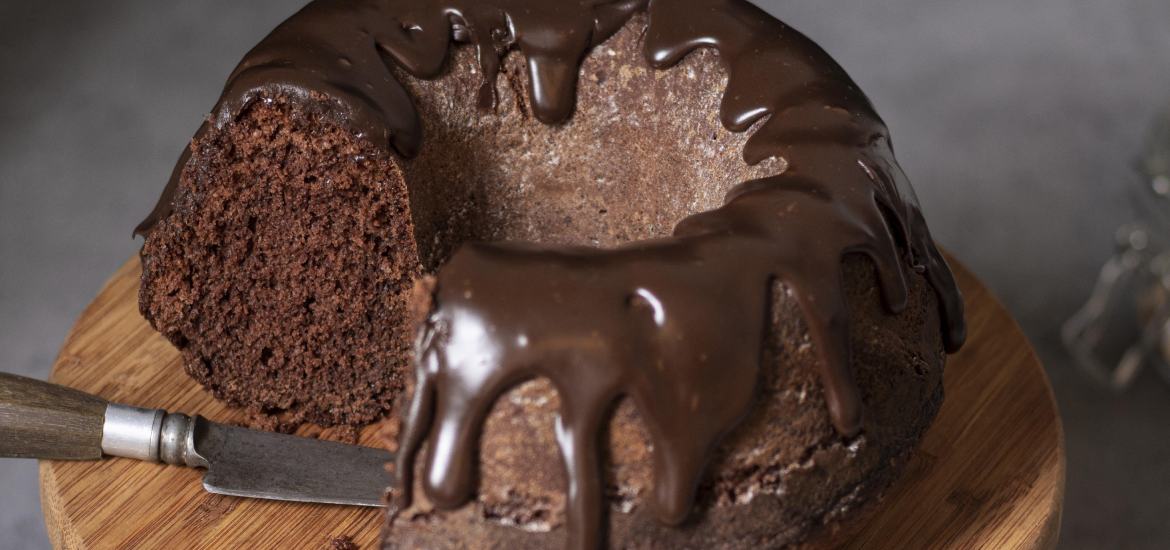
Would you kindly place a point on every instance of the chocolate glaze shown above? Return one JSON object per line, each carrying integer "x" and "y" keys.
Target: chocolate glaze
{"x": 675, "y": 323}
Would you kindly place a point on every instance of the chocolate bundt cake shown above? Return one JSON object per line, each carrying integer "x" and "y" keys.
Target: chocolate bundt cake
{"x": 644, "y": 272}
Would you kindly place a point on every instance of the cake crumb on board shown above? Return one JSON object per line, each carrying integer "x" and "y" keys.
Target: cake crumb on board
{"x": 342, "y": 542}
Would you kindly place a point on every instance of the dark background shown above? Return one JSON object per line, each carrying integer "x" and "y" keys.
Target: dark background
{"x": 1017, "y": 120}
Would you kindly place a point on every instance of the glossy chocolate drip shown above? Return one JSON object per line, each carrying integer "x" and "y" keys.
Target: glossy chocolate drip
{"x": 677, "y": 324}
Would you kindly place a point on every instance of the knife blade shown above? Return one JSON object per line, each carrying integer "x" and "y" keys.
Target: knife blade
{"x": 47, "y": 421}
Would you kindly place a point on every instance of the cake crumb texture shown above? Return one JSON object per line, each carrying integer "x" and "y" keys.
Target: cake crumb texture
{"x": 283, "y": 273}
{"x": 343, "y": 542}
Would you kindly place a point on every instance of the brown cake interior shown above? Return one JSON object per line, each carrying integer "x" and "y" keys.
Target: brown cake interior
{"x": 281, "y": 273}
{"x": 284, "y": 271}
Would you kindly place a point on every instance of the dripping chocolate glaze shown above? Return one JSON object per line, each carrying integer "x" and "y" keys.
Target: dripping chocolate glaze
{"x": 677, "y": 323}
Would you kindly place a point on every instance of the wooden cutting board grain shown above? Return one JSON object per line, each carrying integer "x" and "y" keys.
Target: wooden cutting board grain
{"x": 990, "y": 473}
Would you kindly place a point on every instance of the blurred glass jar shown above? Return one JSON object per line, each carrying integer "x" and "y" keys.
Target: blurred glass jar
{"x": 1125, "y": 325}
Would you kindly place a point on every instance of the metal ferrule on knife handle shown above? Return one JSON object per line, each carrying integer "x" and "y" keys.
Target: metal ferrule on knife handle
{"x": 132, "y": 432}
{"x": 151, "y": 435}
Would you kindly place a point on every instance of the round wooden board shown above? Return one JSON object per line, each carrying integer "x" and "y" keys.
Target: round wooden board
{"x": 990, "y": 473}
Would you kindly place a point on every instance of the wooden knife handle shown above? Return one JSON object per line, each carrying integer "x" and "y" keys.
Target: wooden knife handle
{"x": 43, "y": 420}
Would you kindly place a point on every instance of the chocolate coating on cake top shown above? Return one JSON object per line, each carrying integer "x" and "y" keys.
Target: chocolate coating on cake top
{"x": 676, "y": 323}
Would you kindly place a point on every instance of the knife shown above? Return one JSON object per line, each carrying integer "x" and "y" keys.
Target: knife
{"x": 48, "y": 421}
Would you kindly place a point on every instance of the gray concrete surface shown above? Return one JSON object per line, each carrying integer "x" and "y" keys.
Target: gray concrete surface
{"x": 1018, "y": 123}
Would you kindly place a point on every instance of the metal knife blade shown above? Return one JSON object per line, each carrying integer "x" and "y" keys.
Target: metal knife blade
{"x": 252, "y": 463}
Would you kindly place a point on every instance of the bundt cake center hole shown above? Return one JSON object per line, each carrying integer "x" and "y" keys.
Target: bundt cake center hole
{"x": 643, "y": 150}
